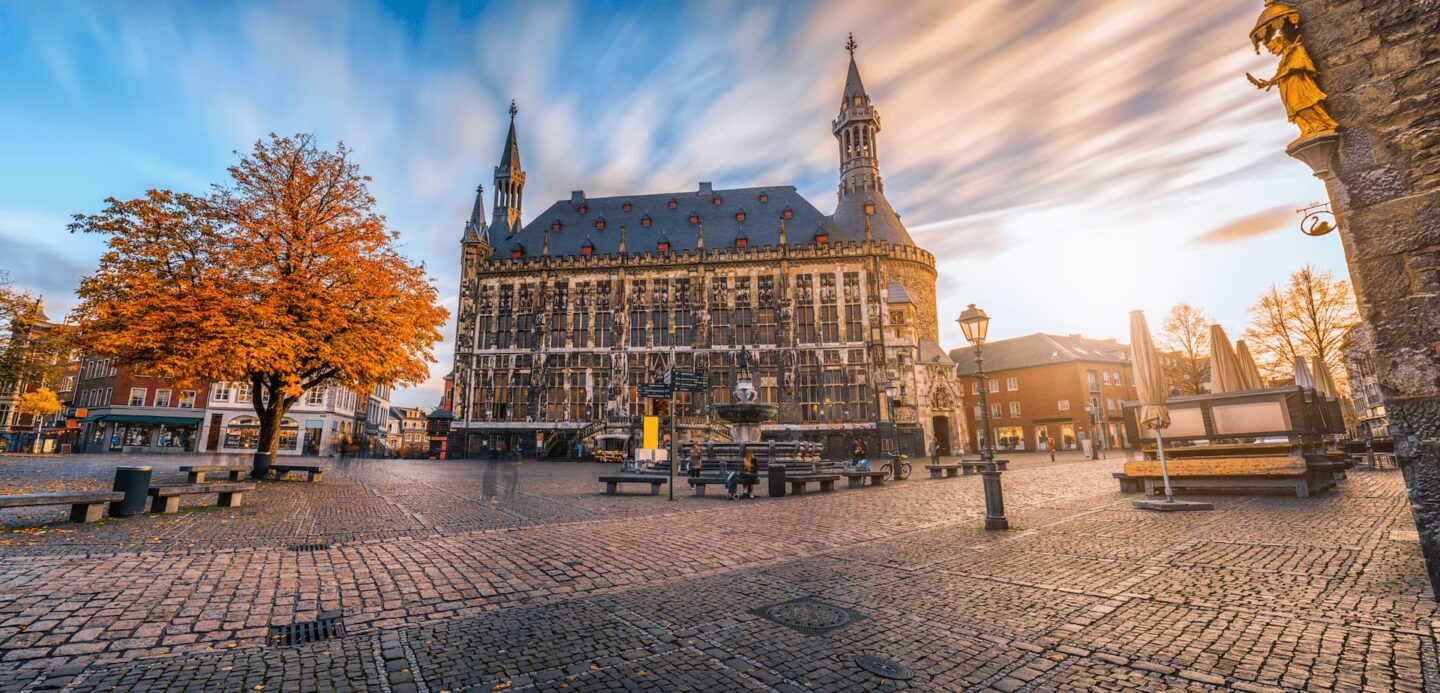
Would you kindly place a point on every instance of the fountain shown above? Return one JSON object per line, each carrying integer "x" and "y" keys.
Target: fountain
{"x": 745, "y": 414}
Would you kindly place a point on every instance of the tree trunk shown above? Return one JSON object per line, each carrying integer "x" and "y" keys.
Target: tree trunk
{"x": 270, "y": 405}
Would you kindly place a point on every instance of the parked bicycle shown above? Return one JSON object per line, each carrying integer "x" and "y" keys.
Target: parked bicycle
{"x": 895, "y": 457}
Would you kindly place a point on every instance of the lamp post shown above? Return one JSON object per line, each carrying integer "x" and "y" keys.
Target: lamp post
{"x": 892, "y": 391}
{"x": 975, "y": 323}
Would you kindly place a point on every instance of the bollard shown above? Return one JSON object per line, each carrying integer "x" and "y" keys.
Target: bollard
{"x": 134, "y": 482}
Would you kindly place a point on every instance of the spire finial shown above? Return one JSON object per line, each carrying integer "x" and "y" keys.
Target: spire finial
{"x": 513, "y": 110}
{"x": 851, "y": 45}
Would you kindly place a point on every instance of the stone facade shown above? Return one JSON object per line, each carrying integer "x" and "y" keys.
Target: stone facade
{"x": 562, "y": 320}
{"x": 1377, "y": 61}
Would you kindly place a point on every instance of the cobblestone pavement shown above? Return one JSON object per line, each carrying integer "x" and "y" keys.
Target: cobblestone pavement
{"x": 452, "y": 576}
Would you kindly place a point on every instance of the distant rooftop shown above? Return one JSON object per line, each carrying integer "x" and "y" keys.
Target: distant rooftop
{"x": 1041, "y": 349}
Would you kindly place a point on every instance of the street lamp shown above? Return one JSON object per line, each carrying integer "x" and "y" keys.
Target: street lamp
{"x": 892, "y": 391}
{"x": 975, "y": 323}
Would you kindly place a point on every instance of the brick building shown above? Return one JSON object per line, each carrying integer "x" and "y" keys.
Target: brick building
{"x": 326, "y": 420}
{"x": 1043, "y": 386}
{"x": 561, "y": 320}
{"x": 127, "y": 412}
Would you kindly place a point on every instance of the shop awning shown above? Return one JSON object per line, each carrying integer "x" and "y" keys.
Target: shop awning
{"x": 142, "y": 419}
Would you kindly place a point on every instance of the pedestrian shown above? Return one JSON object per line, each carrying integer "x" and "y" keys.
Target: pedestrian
{"x": 858, "y": 453}
{"x": 1050, "y": 445}
{"x": 750, "y": 474}
{"x": 696, "y": 460}
{"x": 935, "y": 453}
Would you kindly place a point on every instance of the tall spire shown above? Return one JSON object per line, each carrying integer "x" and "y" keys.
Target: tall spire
{"x": 476, "y": 230}
{"x": 855, "y": 128}
{"x": 509, "y": 182}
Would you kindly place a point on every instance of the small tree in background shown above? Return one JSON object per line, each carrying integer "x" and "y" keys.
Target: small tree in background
{"x": 1185, "y": 334}
{"x": 285, "y": 278}
{"x": 38, "y": 403}
{"x": 1309, "y": 317}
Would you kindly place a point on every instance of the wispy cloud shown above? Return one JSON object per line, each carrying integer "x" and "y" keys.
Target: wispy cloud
{"x": 1268, "y": 221}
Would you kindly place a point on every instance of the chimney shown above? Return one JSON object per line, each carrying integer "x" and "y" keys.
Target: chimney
{"x": 706, "y": 188}
{"x": 577, "y": 197}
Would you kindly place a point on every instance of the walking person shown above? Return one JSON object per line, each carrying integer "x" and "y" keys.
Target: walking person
{"x": 935, "y": 453}
{"x": 1050, "y": 445}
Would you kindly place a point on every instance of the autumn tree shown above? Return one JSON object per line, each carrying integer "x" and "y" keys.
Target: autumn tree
{"x": 31, "y": 350}
{"x": 1185, "y": 334}
{"x": 284, "y": 277}
{"x": 1309, "y": 317}
{"x": 38, "y": 402}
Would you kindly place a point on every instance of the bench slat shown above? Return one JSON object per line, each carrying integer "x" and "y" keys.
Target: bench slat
{"x": 25, "y": 500}
{"x": 200, "y": 489}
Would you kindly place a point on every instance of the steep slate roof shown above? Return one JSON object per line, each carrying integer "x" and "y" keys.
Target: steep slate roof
{"x": 930, "y": 352}
{"x": 1041, "y": 349}
{"x": 895, "y": 293}
{"x": 761, "y": 226}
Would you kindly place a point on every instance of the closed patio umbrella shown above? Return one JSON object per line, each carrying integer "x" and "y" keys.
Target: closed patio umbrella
{"x": 1225, "y": 375}
{"x": 1302, "y": 374}
{"x": 1150, "y": 385}
{"x": 1248, "y": 370}
{"x": 1323, "y": 382}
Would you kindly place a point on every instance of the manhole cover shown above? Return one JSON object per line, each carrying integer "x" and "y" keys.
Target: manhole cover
{"x": 885, "y": 668}
{"x": 808, "y": 615}
{"x": 309, "y": 546}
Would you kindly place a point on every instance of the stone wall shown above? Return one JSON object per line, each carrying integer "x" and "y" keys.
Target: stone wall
{"x": 1380, "y": 63}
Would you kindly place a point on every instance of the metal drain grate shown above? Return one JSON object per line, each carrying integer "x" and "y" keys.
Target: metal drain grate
{"x": 885, "y": 668}
{"x": 310, "y": 546}
{"x": 326, "y": 627}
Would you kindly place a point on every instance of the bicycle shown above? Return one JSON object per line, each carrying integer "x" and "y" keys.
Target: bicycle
{"x": 904, "y": 461}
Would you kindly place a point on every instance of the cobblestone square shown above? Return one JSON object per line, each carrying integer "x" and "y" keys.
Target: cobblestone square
{"x": 464, "y": 575}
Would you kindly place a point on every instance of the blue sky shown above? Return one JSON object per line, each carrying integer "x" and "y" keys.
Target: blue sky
{"x": 1066, "y": 160}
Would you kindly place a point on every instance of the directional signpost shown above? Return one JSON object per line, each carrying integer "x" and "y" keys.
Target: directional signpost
{"x": 673, "y": 381}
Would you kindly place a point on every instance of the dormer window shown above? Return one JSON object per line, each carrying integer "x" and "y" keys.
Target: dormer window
{"x": 857, "y": 101}
{"x": 587, "y": 249}
{"x": 672, "y": 203}
{"x": 764, "y": 197}
{"x": 822, "y": 238}
{"x": 716, "y": 201}
{"x": 694, "y": 218}
{"x": 663, "y": 246}
{"x": 741, "y": 242}
{"x": 645, "y": 221}
{"x": 599, "y": 224}
{"x": 555, "y": 226}
{"x": 739, "y": 216}
{"x": 581, "y": 209}
{"x": 626, "y": 206}
{"x": 517, "y": 252}
{"x": 788, "y": 213}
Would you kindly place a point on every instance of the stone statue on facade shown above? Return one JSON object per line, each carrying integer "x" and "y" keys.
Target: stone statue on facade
{"x": 1279, "y": 29}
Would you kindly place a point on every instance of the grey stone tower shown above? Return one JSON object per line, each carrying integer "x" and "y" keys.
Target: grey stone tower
{"x": 509, "y": 183}
{"x": 855, "y": 129}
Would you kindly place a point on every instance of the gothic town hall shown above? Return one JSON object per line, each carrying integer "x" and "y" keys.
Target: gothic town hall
{"x": 562, "y": 317}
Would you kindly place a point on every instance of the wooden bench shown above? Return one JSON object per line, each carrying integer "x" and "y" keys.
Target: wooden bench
{"x": 856, "y": 479}
{"x": 85, "y": 506}
{"x": 798, "y": 482}
{"x": 976, "y": 466}
{"x": 1127, "y": 484}
{"x": 936, "y": 470}
{"x": 197, "y": 472}
{"x": 313, "y": 472}
{"x": 166, "y": 499}
{"x": 612, "y": 481}
{"x": 1278, "y": 472}
{"x": 700, "y": 482}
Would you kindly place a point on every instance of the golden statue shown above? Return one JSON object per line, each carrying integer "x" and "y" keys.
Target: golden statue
{"x": 1279, "y": 29}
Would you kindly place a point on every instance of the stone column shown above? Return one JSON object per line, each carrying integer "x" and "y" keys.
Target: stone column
{"x": 1384, "y": 91}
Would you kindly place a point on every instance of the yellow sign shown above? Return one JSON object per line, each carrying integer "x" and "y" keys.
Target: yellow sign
{"x": 82, "y": 413}
{"x": 652, "y": 433}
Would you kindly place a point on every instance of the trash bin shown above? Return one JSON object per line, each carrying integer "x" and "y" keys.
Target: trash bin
{"x": 134, "y": 482}
{"x": 777, "y": 480}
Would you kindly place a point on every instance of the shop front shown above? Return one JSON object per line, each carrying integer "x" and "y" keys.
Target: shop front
{"x": 139, "y": 433}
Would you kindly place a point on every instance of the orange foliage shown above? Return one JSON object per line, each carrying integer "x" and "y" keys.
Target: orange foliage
{"x": 284, "y": 277}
